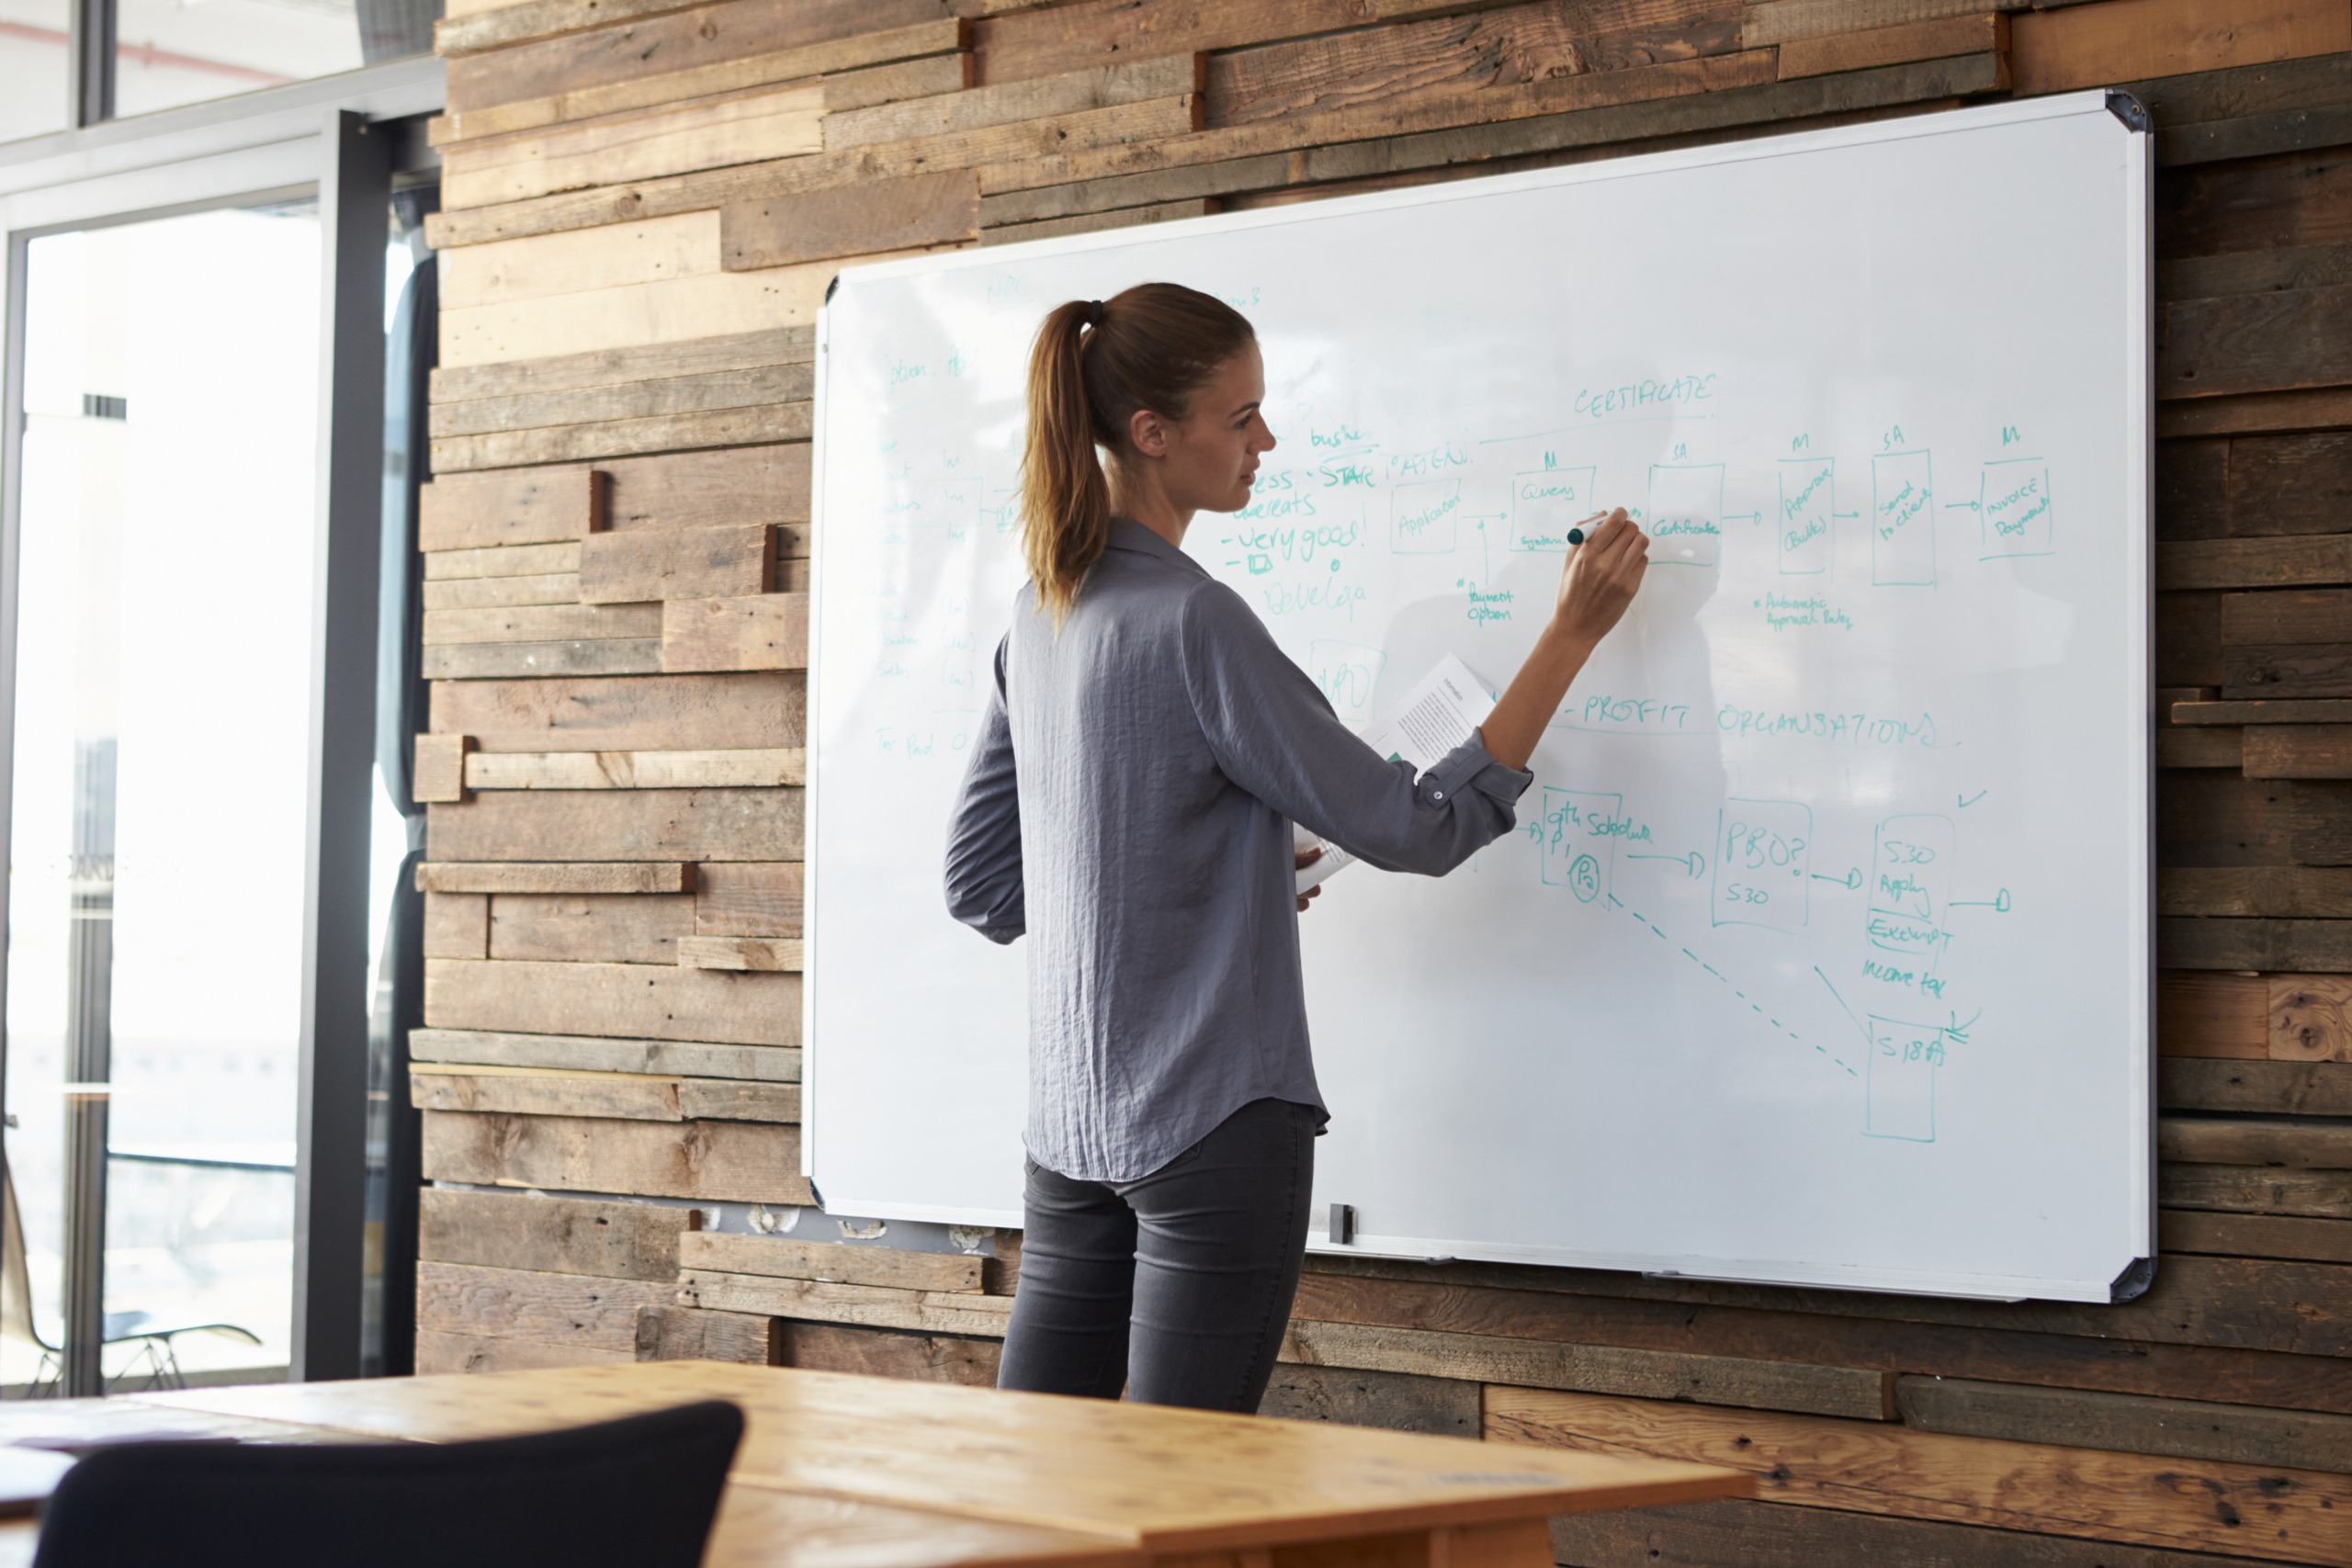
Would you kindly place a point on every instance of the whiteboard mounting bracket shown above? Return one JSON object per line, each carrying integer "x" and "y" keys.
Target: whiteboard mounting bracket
{"x": 2130, "y": 111}
{"x": 2133, "y": 1282}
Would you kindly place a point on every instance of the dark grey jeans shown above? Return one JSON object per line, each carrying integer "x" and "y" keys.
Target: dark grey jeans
{"x": 1175, "y": 1286}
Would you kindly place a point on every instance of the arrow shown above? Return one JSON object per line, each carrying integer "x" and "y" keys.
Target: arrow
{"x": 1696, "y": 862}
{"x": 1750, "y": 516}
{"x": 1850, "y": 881}
{"x": 1956, "y": 505}
{"x": 1847, "y": 1010}
{"x": 1845, "y": 515}
{"x": 1998, "y": 903}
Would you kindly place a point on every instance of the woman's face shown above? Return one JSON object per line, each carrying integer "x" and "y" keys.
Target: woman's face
{"x": 1209, "y": 459}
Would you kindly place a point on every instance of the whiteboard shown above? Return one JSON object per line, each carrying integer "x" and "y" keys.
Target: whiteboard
{"x": 1821, "y": 953}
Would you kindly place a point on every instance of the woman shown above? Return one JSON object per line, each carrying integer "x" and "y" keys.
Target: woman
{"x": 1129, "y": 806}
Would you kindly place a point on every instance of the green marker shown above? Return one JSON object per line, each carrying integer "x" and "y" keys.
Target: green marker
{"x": 1575, "y": 535}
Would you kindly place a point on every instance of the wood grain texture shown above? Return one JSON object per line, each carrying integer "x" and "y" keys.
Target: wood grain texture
{"x": 758, "y": 423}
{"x": 627, "y": 1096}
{"x": 2254, "y": 342}
{"x": 1863, "y": 49}
{"x": 671, "y": 712}
{"x": 474, "y": 512}
{"x": 2257, "y": 1235}
{"x": 2299, "y": 1144}
{"x": 492, "y": 592}
{"x": 502, "y": 560}
{"x": 698, "y": 392}
{"x": 835, "y": 1262}
{"x": 2086, "y": 46}
{"x": 2317, "y": 1089}
{"x": 686, "y": 1334}
{"x": 1649, "y": 1374}
{"x": 540, "y": 660}
{"x": 1394, "y": 1401}
{"x": 437, "y": 1352}
{"x": 2299, "y": 752}
{"x": 750, "y": 125}
{"x": 2310, "y": 1018}
{"x": 2305, "y": 562}
{"x": 749, "y": 900}
{"x": 2255, "y": 1190}
{"x": 891, "y": 1353}
{"x": 551, "y": 1235}
{"x": 1094, "y": 33}
{"x": 2321, "y": 945}
{"x": 1038, "y": 98}
{"x": 554, "y": 876}
{"x": 729, "y": 351}
{"x": 879, "y": 1306}
{"x": 457, "y": 925}
{"x": 2309, "y": 891}
{"x": 2213, "y": 1015}
{"x": 679, "y": 563}
{"x": 1092, "y": 223}
{"x": 503, "y": 26}
{"x": 438, "y": 773}
{"x": 628, "y": 315}
{"x": 1873, "y": 1468}
{"x": 644, "y": 1001}
{"x": 620, "y": 824}
{"x": 741, "y": 952}
{"x": 885, "y": 215}
{"x": 768, "y": 631}
{"x": 515, "y": 1303}
{"x": 768, "y": 767}
{"x": 605, "y": 1053}
{"x": 939, "y": 37}
{"x": 744, "y": 1162}
{"x": 542, "y": 623}
{"x": 2183, "y": 1429}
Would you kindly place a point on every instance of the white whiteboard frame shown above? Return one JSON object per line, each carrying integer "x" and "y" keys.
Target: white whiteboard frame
{"x": 2138, "y": 393}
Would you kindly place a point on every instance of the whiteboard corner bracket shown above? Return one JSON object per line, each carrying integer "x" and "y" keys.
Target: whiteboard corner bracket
{"x": 2134, "y": 114}
{"x": 2133, "y": 1282}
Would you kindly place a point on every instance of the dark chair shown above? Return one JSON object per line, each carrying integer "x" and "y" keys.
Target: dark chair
{"x": 637, "y": 1493}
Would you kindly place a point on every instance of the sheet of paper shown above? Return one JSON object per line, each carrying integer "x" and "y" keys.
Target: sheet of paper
{"x": 1434, "y": 718}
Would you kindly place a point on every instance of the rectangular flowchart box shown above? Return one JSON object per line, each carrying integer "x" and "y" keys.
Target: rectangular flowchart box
{"x": 1903, "y": 519}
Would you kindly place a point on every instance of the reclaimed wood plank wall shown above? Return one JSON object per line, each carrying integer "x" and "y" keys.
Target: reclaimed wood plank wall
{"x": 643, "y": 202}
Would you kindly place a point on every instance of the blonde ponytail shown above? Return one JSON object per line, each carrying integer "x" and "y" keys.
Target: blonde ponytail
{"x": 1095, "y": 364}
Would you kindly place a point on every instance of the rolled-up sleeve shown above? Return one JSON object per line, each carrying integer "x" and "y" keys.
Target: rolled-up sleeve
{"x": 1273, "y": 734}
{"x": 984, "y": 882}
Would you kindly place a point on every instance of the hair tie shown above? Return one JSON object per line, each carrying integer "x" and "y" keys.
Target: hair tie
{"x": 1095, "y": 312}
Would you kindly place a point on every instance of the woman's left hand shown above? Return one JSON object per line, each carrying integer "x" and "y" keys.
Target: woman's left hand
{"x": 1300, "y": 861}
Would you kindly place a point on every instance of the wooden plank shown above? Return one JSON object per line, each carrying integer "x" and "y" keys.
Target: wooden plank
{"x": 929, "y": 1312}
{"x": 512, "y": 24}
{"x": 2317, "y": 1089}
{"x": 764, "y": 1064}
{"x": 457, "y": 925}
{"x": 476, "y": 512}
{"x": 1043, "y": 98}
{"x": 2282, "y": 751}
{"x": 1649, "y": 1374}
{"x": 673, "y": 712}
{"x": 439, "y": 772}
{"x": 1440, "y": 1406}
{"x": 1891, "y": 46}
{"x": 1875, "y": 1467}
{"x": 2300, "y": 1143}
{"x": 686, "y": 1334}
{"x": 2262, "y": 414}
{"x": 554, "y": 876}
{"x": 885, "y": 215}
{"x": 542, "y": 623}
{"x": 835, "y": 1262}
{"x": 515, "y": 1303}
{"x": 749, "y": 126}
{"x": 551, "y": 1235}
{"x": 2181, "y": 1428}
{"x": 644, "y": 1001}
{"x": 993, "y": 146}
{"x": 2306, "y": 892}
{"x": 2310, "y": 1018}
{"x": 699, "y": 392}
{"x": 891, "y": 1353}
{"x": 619, "y": 256}
{"x": 2210, "y": 819}
{"x": 2291, "y": 484}
{"x": 942, "y": 36}
{"x": 2205, "y": 748}
{"x": 502, "y": 560}
{"x": 760, "y": 425}
{"x": 2309, "y": 614}
{"x": 2254, "y": 1190}
{"x": 611, "y": 367}
{"x": 2088, "y": 46}
{"x": 2257, "y": 1235}
{"x": 488, "y": 592}
{"x": 2272, "y": 671}
{"x": 437, "y": 1353}
{"x": 739, "y": 1162}
{"x": 767, "y": 631}
{"x": 749, "y": 899}
{"x": 2256, "y": 272}
{"x": 755, "y": 768}
{"x": 897, "y": 82}
{"x": 619, "y": 824}
{"x": 541, "y": 660}
{"x": 588, "y": 929}
{"x": 2213, "y": 1015}
{"x": 2331, "y": 711}
{"x": 627, "y": 1096}
{"x": 1061, "y": 38}
{"x": 679, "y": 563}
{"x": 2254, "y": 342}
{"x": 2308, "y": 562}
{"x": 1091, "y": 223}
{"x": 682, "y": 41}
{"x": 2320, "y": 946}
{"x": 745, "y": 952}
{"x": 628, "y": 315}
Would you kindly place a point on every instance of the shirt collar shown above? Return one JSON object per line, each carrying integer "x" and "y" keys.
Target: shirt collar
{"x": 1126, "y": 533}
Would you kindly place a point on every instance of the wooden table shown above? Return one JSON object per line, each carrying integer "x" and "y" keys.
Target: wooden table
{"x": 843, "y": 1471}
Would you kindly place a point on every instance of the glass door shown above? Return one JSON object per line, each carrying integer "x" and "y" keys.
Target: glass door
{"x": 160, "y": 791}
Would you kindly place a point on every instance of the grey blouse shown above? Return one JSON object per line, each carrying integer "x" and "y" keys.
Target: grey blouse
{"x": 1128, "y": 805}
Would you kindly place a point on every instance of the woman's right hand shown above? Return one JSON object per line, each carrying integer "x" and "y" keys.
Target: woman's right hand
{"x": 1601, "y": 575}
